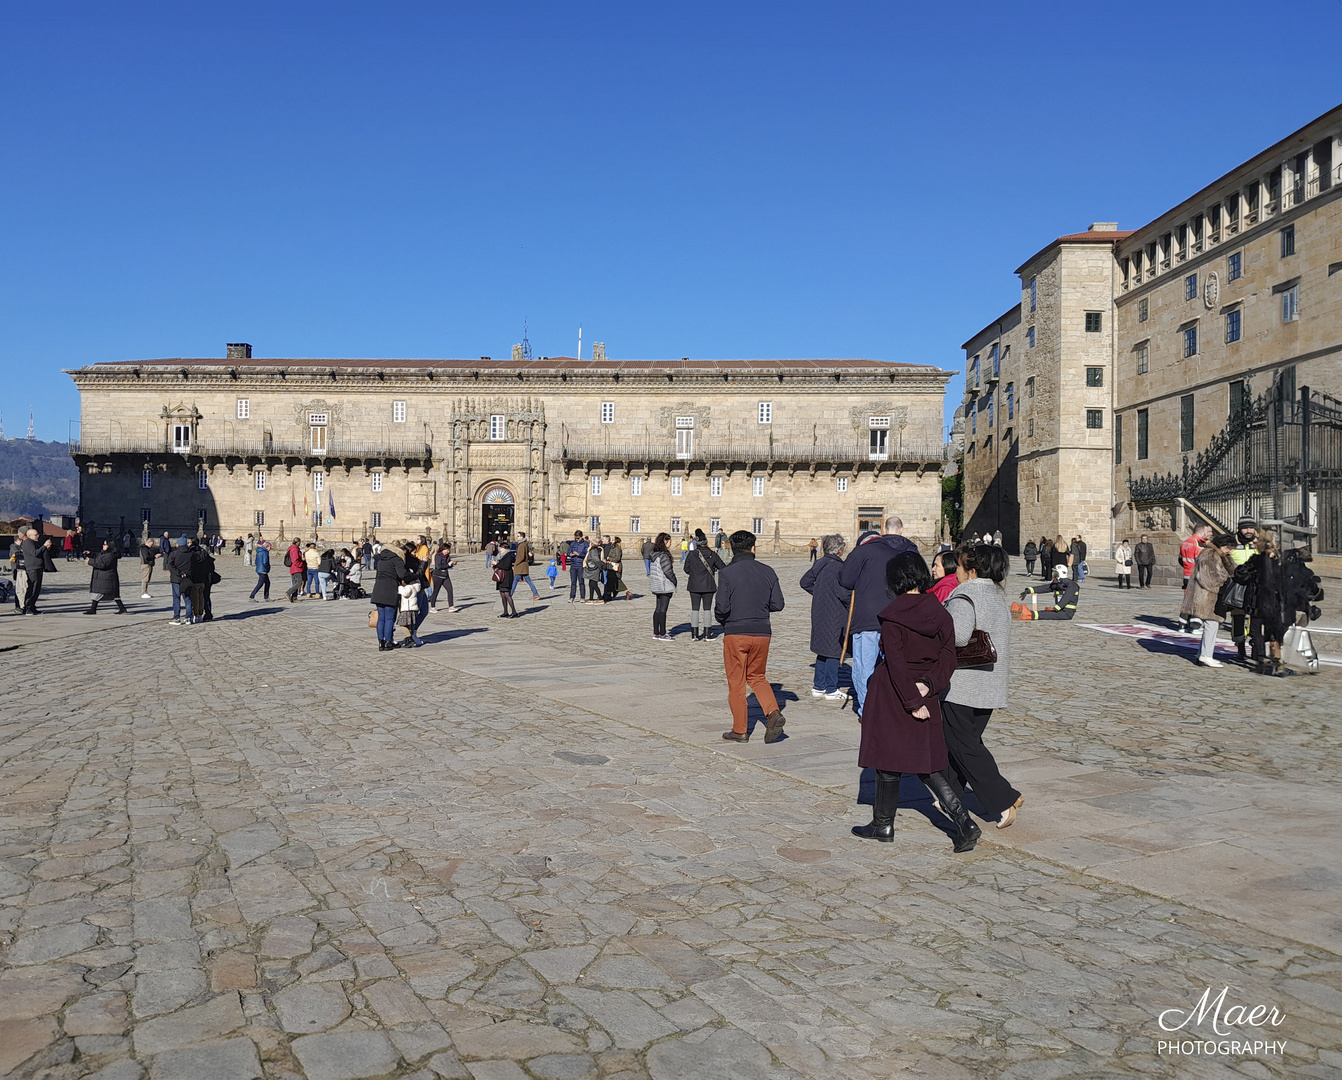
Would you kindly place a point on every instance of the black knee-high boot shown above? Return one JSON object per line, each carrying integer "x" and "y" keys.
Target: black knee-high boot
{"x": 883, "y": 809}
{"x": 967, "y": 833}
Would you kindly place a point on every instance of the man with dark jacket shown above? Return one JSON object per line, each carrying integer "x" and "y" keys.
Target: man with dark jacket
{"x": 577, "y": 554}
{"x": 35, "y": 557}
{"x": 148, "y": 553}
{"x": 1079, "y": 550}
{"x": 646, "y": 552}
{"x": 748, "y": 591}
{"x": 863, "y": 574}
{"x": 179, "y": 564}
{"x": 1144, "y": 555}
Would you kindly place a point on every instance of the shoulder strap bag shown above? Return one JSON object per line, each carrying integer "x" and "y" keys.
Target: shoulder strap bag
{"x": 979, "y": 650}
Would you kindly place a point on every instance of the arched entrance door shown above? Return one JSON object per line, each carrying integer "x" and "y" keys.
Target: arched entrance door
{"x": 496, "y": 515}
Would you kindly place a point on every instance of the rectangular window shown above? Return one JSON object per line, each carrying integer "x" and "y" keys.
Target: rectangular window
{"x": 1232, "y": 326}
{"x": 258, "y": 518}
{"x": 244, "y": 408}
{"x": 1034, "y": 293}
{"x": 1011, "y": 401}
{"x": 757, "y": 486}
{"x": 202, "y": 480}
{"x": 318, "y": 480}
{"x": 991, "y": 401}
{"x": 677, "y": 486}
{"x": 1238, "y": 401}
{"x": 766, "y": 412}
{"x": 878, "y": 443}
{"x": 1190, "y": 342}
{"x": 1143, "y": 309}
{"x": 1118, "y": 439}
{"x": 318, "y": 418}
{"x": 1191, "y": 287}
{"x": 1094, "y": 376}
{"x": 1031, "y": 427}
{"x": 1233, "y": 264}
{"x": 498, "y": 427}
{"x": 714, "y": 525}
{"x": 259, "y": 479}
{"x": 636, "y": 485}
{"x": 596, "y": 485}
{"x": 1143, "y": 358}
{"x": 973, "y": 420}
{"x": 608, "y": 412}
{"x": 684, "y": 437}
{"x": 376, "y": 481}
{"x": 1094, "y": 419}
{"x": 757, "y": 525}
{"x": 1290, "y": 304}
{"x": 147, "y": 478}
{"x": 675, "y": 526}
{"x": 1029, "y": 387}
{"x": 146, "y": 515}
{"x": 317, "y": 434}
{"x": 202, "y": 515}
{"x": 842, "y": 484}
{"x": 635, "y": 524}
{"x": 1143, "y": 428}
{"x": 398, "y": 412}
{"x": 1094, "y": 321}
{"x": 375, "y": 519}
{"x": 1186, "y": 423}
{"x": 1288, "y": 241}
{"x": 715, "y": 486}
{"x": 181, "y": 437}
{"x": 1030, "y": 335}
{"x": 316, "y": 519}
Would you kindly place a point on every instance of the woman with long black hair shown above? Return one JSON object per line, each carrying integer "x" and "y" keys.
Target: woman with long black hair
{"x": 662, "y": 582}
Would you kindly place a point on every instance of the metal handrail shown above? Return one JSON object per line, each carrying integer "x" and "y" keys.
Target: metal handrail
{"x": 782, "y": 453}
{"x": 336, "y": 448}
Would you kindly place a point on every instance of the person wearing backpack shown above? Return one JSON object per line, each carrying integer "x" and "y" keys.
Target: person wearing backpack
{"x": 701, "y": 564}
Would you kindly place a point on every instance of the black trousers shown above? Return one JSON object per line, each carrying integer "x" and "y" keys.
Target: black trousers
{"x": 659, "y": 614}
{"x": 1029, "y": 567}
{"x": 1143, "y": 576}
{"x": 440, "y": 582}
{"x": 577, "y": 584}
{"x": 34, "y": 590}
{"x": 262, "y": 582}
{"x": 972, "y": 763}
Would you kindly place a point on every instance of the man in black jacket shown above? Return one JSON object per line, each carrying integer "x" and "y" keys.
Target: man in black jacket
{"x": 863, "y": 574}
{"x": 1144, "y": 555}
{"x": 748, "y": 591}
{"x": 35, "y": 556}
{"x": 179, "y": 565}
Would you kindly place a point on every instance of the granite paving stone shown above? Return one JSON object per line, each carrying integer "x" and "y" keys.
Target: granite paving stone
{"x": 524, "y": 851}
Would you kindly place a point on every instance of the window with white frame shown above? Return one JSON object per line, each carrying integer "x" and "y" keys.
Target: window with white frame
{"x": 202, "y": 480}
{"x": 715, "y": 525}
{"x": 318, "y": 480}
{"x": 714, "y": 486}
{"x": 635, "y": 524}
{"x": 878, "y": 438}
{"x": 766, "y": 412}
{"x": 317, "y": 431}
{"x": 636, "y": 485}
{"x": 376, "y": 480}
{"x": 498, "y": 427}
{"x": 608, "y": 412}
{"x": 244, "y": 408}
{"x": 259, "y": 479}
{"x": 146, "y": 477}
{"x": 398, "y": 412}
{"x": 842, "y": 484}
{"x": 677, "y": 486}
{"x": 675, "y": 526}
{"x": 684, "y": 437}
{"x": 258, "y": 518}
{"x": 596, "y": 485}
{"x": 757, "y": 525}
{"x": 1290, "y": 304}
{"x": 593, "y": 524}
{"x": 757, "y": 486}
{"x": 316, "y": 519}
{"x": 375, "y": 519}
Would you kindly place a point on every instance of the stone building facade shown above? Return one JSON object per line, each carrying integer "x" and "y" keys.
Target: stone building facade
{"x": 1037, "y": 385}
{"x": 1131, "y": 352}
{"x": 473, "y": 450}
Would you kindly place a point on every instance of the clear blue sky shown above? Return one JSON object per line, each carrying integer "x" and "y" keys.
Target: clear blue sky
{"x": 710, "y": 180}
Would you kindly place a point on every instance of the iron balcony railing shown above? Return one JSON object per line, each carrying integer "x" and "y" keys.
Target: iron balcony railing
{"x": 266, "y": 448}
{"x": 781, "y": 453}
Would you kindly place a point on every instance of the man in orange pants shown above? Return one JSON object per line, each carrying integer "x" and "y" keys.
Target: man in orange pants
{"x": 748, "y": 591}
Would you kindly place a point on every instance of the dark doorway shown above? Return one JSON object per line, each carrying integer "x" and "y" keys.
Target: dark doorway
{"x": 496, "y": 522}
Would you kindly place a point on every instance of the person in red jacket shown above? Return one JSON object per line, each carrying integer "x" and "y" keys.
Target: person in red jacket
{"x": 293, "y": 559}
{"x": 1189, "y": 551}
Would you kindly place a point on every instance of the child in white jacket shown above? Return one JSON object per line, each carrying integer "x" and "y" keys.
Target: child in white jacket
{"x": 409, "y": 615}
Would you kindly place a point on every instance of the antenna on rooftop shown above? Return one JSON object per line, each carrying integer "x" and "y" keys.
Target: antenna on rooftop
{"x": 579, "y": 341}
{"x": 31, "y": 436}
{"x": 526, "y": 344}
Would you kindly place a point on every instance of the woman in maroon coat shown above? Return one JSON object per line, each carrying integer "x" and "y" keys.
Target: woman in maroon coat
{"x": 901, "y": 723}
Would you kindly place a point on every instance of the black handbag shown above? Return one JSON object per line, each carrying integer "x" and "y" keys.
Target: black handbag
{"x": 1232, "y": 597}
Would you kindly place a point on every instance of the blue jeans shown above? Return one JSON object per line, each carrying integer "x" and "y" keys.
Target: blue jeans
{"x": 552, "y": 579}
{"x": 386, "y": 621}
{"x": 181, "y": 597}
{"x": 312, "y": 583}
{"x": 577, "y": 584}
{"x": 647, "y": 567}
{"x": 324, "y": 582}
{"x": 421, "y": 612}
{"x": 866, "y": 647}
{"x": 519, "y": 578}
{"x": 826, "y": 673}
{"x": 262, "y": 582}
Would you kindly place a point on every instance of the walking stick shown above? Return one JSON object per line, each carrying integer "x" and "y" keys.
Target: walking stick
{"x": 852, "y": 599}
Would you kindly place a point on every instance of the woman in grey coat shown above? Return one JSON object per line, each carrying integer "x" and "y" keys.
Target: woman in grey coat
{"x": 978, "y": 602}
{"x": 829, "y": 617}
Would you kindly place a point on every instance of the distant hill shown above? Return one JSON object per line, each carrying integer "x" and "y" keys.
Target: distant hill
{"x": 36, "y": 478}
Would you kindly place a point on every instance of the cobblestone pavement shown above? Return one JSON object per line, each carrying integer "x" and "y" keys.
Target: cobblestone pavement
{"x": 260, "y": 848}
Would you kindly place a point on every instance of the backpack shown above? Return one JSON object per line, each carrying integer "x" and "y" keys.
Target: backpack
{"x": 289, "y": 557}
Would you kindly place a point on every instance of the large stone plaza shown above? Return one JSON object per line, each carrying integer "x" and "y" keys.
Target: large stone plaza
{"x": 258, "y": 847}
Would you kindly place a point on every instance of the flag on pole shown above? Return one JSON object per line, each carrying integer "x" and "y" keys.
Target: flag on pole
{"x": 306, "y": 516}
{"x": 330, "y": 495}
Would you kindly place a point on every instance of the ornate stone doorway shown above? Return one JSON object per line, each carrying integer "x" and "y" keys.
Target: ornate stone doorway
{"x": 496, "y": 515}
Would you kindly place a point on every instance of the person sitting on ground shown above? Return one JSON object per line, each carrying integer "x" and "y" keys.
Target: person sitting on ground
{"x": 1066, "y": 592}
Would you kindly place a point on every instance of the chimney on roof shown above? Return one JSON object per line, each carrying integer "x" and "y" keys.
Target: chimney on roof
{"x": 239, "y": 350}
{"x": 598, "y": 350}
{"x": 1104, "y": 226}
